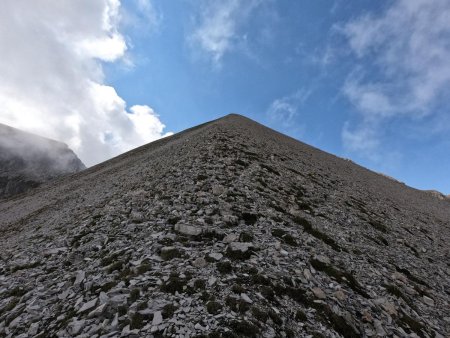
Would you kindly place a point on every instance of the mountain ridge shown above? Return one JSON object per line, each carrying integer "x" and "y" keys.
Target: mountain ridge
{"x": 228, "y": 229}
{"x": 28, "y": 160}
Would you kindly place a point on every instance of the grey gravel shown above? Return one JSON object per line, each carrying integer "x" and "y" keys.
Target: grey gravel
{"x": 225, "y": 230}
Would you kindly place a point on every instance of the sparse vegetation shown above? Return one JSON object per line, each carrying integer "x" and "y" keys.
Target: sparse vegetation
{"x": 10, "y": 306}
{"x": 220, "y": 246}
{"x": 244, "y": 328}
{"x": 259, "y": 314}
{"x": 17, "y": 291}
{"x": 300, "y": 316}
{"x": 245, "y": 236}
{"x": 249, "y": 218}
{"x": 284, "y": 236}
{"x": 238, "y": 289}
{"x": 115, "y": 266}
{"x": 378, "y": 226}
{"x": 237, "y": 304}
{"x": 213, "y": 307}
{"x": 168, "y": 311}
{"x": 413, "y": 278}
{"x": 307, "y": 227}
{"x": 143, "y": 268}
{"x": 395, "y": 291}
{"x": 169, "y": 253}
{"x": 224, "y": 267}
{"x": 411, "y": 325}
{"x": 173, "y": 284}
{"x": 134, "y": 295}
{"x": 269, "y": 169}
{"x": 137, "y": 321}
{"x": 335, "y": 321}
{"x": 276, "y": 318}
{"x": 200, "y": 284}
{"x": 340, "y": 276}
{"x": 30, "y": 265}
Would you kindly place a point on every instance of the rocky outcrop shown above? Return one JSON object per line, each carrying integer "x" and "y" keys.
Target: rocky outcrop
{"x": 437, "y": 194}
{"x": 28, "y": 160}
{"x": 228, "y": 229}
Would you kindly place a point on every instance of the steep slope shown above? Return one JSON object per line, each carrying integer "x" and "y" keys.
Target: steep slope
{"x": 27, "y": 160}
{"x": 228, "y": 229}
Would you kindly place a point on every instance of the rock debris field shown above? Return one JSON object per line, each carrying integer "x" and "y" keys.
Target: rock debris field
{"x": 228, "y": 229}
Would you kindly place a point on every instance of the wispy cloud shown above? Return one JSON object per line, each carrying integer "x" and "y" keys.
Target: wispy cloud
{"x": 285, "y": 109}
{"x": 143, "y": 17}
{"x": 408, "y": 47}
{"x": 52, "y": 79}
{"x": 217, "y": 32}
{"x": 362, "y": 139}
{"x": 371, "y": 99}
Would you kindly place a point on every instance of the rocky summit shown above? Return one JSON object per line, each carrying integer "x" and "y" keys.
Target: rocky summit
{"x": 228, "y": 229}
{"x": 28, "y": 160}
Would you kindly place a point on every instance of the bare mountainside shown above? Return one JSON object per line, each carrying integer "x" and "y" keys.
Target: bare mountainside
{"x": 28, "y": 160}
{"x": 228, "y": 229}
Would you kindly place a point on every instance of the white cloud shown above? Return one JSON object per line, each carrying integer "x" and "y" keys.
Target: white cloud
{"x": 285, "y": 109}
{"x": 52, "y": 81}
{"x": 143, "y": 17}
{"x": 217, "y": 32}
{"x": 369, "y": 98}
{"x": 362, "y": 139}
{"x": 408, "y": 47}
{"x": 146, "y": 122}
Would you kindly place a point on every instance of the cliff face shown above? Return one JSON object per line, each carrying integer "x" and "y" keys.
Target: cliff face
{"x": 228, "y": 229}
{"x": 28, "y": 160}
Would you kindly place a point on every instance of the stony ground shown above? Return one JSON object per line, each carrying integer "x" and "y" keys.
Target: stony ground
{"x": 225, "y": 230}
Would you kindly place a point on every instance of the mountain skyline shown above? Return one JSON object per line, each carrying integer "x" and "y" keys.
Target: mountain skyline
{"x": 366, "y": 81}
{"x": 228, "y": 229}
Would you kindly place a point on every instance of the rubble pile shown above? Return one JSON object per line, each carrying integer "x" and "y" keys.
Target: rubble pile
{"x": 228, "y": 229}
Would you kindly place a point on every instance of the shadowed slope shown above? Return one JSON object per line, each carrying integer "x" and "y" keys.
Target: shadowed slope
{"x": 27, "y": 160}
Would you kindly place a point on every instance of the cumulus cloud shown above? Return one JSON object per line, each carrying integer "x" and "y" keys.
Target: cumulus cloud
{"x": 408, "y": 47}
{"x": 52, "y": 81}
{"x": 217, "y": 32}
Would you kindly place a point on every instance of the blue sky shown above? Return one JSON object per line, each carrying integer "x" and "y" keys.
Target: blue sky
{"x": 291, "y": 65}
{"x": 366, "y": 80}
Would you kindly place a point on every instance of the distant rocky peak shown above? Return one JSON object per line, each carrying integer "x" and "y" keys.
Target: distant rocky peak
{"x": 437, "y": 194}
{"x": 28, "y": 160}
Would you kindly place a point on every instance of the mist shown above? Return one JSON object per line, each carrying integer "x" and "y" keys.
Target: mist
{"x": 53, "y": 84}
{"x": 28, "y": 160}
